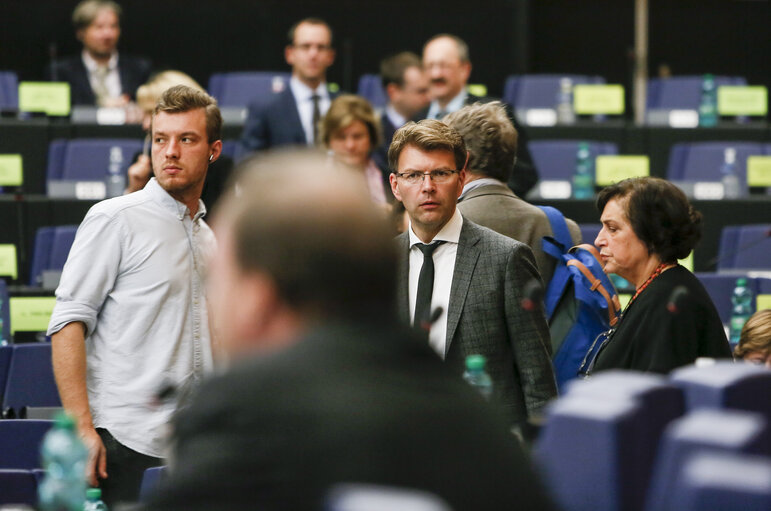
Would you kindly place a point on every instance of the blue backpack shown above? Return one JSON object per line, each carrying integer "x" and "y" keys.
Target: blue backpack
{"x": 580, "y": 301}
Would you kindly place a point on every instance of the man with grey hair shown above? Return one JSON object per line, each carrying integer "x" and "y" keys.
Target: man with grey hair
{"x": 100, "y": 75}
{"x": 328, "y": 388}
{"x": 130, "y": 322}
{"x": 491, "y": 141}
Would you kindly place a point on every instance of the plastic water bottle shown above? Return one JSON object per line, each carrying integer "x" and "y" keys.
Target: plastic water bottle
{"x": 565, "y": 112}
{"x": 708, "y": 105}
{"x": 583, "y": 179}
{"x": 116, "y": 181}
{"x": 742, "y": 310}
{"x": 477, "y": 377}
{"x": 732, "y": 188}
{"x": 64, "y": 458}
{"x": 94, "y": 500}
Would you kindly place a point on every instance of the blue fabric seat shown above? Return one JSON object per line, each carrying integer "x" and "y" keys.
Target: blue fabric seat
{"x": 720, "y": 288}
{"x": 589, "y": 232}
{"x": 9, "y": 90}
{"x": 241, "y": 88}
{"x": 30, "y": 380}
{"x": 371, "y": 88}
{"x": 20, "y": 443}
{"x": 18, "y": 487}
{"x": 52, "y": 246}
{"x": 556, "y": 159}
{"x": 702, "y": 161}
{"x": 682, "y": 92}
{"x": 540, "y": 90}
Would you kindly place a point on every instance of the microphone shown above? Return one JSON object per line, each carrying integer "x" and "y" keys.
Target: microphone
{"x": 533, "y": 295}
{"x": 675, "y": 303}
{"x": 719, "y": 259}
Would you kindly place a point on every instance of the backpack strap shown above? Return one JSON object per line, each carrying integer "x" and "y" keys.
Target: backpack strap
{"x": 597, "y": 285}
{"x": 558, "y": 226}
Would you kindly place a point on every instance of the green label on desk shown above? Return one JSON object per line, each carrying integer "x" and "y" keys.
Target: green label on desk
{"x": 763, "y": 302}
{"x": 612, "y": 169}
{"x": 598, "y": 99}
{"x": 759, "y": 170}
{"x": 31, "y": 313}
{"x": 624, "y": 299}
{"x": 742, "y": 100}
{"x": 8, "y": 266}
{"x": 687, "y": 263}
{"x": 11, "y": 170}
{"x": 52, "y": 98}
{"x": 477, "y": 89}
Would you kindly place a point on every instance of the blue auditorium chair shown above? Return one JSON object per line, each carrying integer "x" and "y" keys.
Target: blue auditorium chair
{"x": 52, "y": 246}
{"x": 682, "y": 92}
{"x": 56, "y": 151}
{"x": 17, "y": 487}
{"x": 5, "y": 314}
{"x": 588, "y": 451}
{"x": 540, "y": 90}
{"x": 30, "y": 380}
{"x": 150, "y": 480}
{"x": 702, "y": 161}
{"x": 20, "y": 441}
{"x": 705, "y": 430}
{"x": 722, "y": 482}
{"x": 556, "y": 159}
{"x": 5, "y": 364}
{"x": 589, "y": 232}
{"x": 725, "y": 385}
{"x": 241, "y": 88}
{"x": 89, "y": 159}
{"x": 720, "y": 287}
{"x": 744, "y": 247}
{"x": 371, "y": 88}
{"x": 9, "y": 90}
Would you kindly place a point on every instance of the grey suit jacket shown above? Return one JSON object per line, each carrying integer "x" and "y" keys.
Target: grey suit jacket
{"x": 496, "y": 207}
{"x": 485, "y": 316}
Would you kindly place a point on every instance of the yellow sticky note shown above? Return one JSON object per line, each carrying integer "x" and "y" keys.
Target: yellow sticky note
{"x": 52, "y": 98}
{"x": 8, "y": 265}
{"x": 477, "y": 89}
{"x": 687, "y": 262}
{"x": 763, "y": 302}
{"x": 611, "y": 169}
{"x": 759, "y": 170}
{"x": 31, "y": 313}
{"x": 598, "y": 99}
{"x": 742, "y": 100}
{"x": 11, "y": 173}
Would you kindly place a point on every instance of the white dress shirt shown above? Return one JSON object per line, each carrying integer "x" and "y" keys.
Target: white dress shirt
{"x": 303, "y": 96}
{"x": 112, "y": 80}
{"x": 454, "y": 105}
{"x": 444, "y": 269}
{"x": 395, "y": 117}
{"x": 134, "y": 277}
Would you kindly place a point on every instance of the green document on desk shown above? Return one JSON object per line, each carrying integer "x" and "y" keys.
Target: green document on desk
{"x": 611, "y": 169}
{"x": 8, "y": 264}
{"x": 598, "y": 99}
{"x": 759, "y": 170}
{"x": 763, "y": 302}
{"x": 11, "y": 173}
{"x": 742, "y": 100}
{"x": 31, "y": 313}
{"x": 50, "y": 98}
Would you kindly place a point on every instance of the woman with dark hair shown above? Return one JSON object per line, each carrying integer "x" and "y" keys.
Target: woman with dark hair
{"x": 647, "y": 225}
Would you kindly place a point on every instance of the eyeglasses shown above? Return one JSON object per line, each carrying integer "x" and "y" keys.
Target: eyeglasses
{"x": 437, "y": 176}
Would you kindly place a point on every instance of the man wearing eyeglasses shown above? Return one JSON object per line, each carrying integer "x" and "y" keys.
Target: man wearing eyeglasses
{"x": 461, "y": 285}
{"x": 293, "y": 115}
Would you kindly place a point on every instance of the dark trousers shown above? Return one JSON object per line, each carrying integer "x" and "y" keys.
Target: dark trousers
{"x": 125, "y": 468}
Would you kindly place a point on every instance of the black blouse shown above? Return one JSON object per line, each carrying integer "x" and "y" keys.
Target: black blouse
{"x": 651, "y": 338}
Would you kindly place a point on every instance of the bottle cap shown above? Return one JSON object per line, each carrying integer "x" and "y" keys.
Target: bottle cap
{"x": 741, "y": 281}
{"x": 475, "y": 362}
{"x": 94, "y": 494}
{"x": 64, "y": 420}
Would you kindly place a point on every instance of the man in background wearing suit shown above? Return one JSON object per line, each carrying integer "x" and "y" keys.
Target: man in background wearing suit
{"x": 463, "y": 284}
{"x": 292, "y": 116}
{"x": 486, "y": 200}
{"x": 100, "y": 76}
{"x": 447, "y": 63}
{"x": 326, "y": 387}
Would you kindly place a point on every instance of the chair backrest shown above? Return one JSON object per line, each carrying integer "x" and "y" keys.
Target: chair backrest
{"x": 753, "y": 246}
{"x": 718, "y": 431}
{"x": 725, "y": 385}
{"x": 30, "y": 378}
{"x": 150, "y": 480}
{"x": 239, "y": 89}
{"x": 20, "y": 441}
{"x": 371, "y": 88}
{"x": 682, "y": 92}
{"x": 5, "y": 364}
{"x": 720, "y": 288}
{"x": 52, "y": 246}
{"x": 589, "y": 232}
{"x": 5, "y": 314}
{"x": 721, "y": 482}
{"x": 18, "y": 487}
{"x": 540, "y": 90}
{"x": 702, "y": 161}
{"x": 583, "y": 452}
{"x": 9, "y": 90}
{"x": 89, "y": 159}
{"x": 56, "y": 151}
{"x": 556, "y": 159}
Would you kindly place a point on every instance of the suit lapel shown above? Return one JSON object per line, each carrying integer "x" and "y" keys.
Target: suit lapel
{"x": 402, "y": 278}
{"x": 290, "y": 105}
{"x": 465, "y": 262}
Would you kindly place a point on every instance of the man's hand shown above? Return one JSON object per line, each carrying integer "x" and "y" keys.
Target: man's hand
{"x": 139, "y": 174}
{"x": 96, "y": 466}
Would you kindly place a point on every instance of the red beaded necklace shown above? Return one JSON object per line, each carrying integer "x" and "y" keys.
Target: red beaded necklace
{"x": 658, "y": 271}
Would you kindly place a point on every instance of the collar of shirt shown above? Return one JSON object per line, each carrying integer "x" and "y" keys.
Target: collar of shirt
{"x": 472, "y": 185}
{"x": 450, "y": 233}
{"x": 170, "y": 204}
{"x": 92, "y": 65}
{"x": 396, "y": 119}
{"x": 304, "y": 93}
{"x": 454, "y": 105}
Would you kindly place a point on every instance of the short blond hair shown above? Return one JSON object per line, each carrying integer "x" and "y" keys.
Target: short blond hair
{"x": 149, "y": 93}
{"x": 756, "y": 335}
{"x": 427, "y": 135}
{"x": 181, "y": 98}
{"x": 346, "y": 109}
{"x": 86, "y": 12}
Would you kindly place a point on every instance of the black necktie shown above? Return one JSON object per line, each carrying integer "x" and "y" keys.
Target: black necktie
{"x": 316, "y": 117}
{"x": 440, "y": 115}
{"x": 422, "y": 319}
